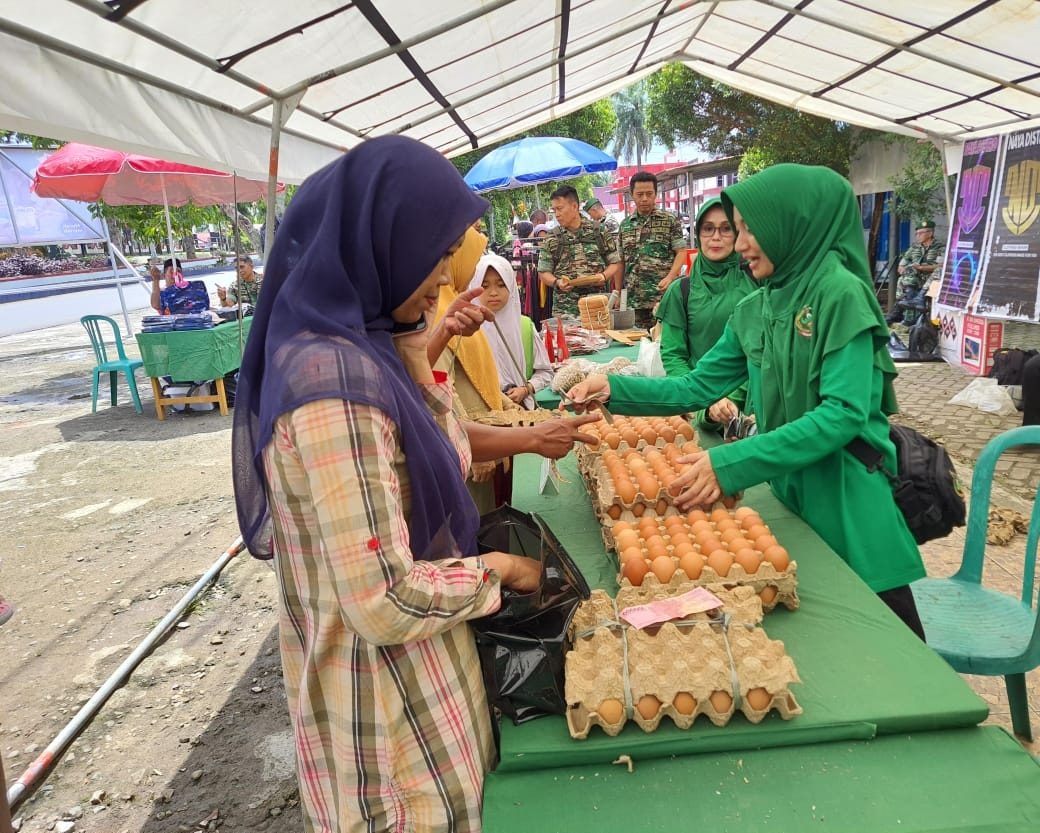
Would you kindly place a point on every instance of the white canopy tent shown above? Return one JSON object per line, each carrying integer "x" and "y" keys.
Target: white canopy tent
{"x": 295, "y": 83}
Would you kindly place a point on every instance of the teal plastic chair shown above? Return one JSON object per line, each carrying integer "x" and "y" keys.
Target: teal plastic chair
{"x": 112, "y": 365}
{"x": 975, "y": 629}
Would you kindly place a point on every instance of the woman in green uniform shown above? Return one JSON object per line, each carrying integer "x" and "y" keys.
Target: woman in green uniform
{"x": 810, "y": 343}
{"x": 694, "y": 310}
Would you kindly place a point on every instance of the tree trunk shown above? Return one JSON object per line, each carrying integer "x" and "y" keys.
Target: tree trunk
{"x": 875, "y": 230}
{"x": 245, "y": 229}
{"x": 189, "y": 245}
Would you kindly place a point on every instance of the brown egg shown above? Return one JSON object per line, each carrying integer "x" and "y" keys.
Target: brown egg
{"x": 727, "y": 525}
{"x": 628, "y": 553}
{"x": 747, "y": 558}
{"x": 686, "y": 430}
{"x": 722, "y": 701}
{"x": 648, "y": 485}
{"x": 691, "y": 563}
{"x": 742, "y": 512}
{"x": 720, "y": 561}
{"x": 684, "y": 703}
{"x": 710, "y": 545}
{"x": 634, "y": 570}
{"x": 679, "y": 537}
{"x": 767, "y": 595}
{"x": 672, "y": 521}
{"x": 729, "y": 501}
{"x": 630, "y": 437}
{"x": 626, "y": 491}
{"x": 663, "y": 566}
{"x": 764, "y": 542}
{"x": 728, "y": 535}
{"x": 719, "y": 515}
{"x": 614, "y": 512}
{"x": 655, "y": 548}
{"x": 777, "y": 556}
{"x": 626, "y": 538}
{"x": 610, "y": 711}
{"x": 638, "y": 509}
{"x": 751, "y": 533}
{"x": 667, "y": 433}
{"x": 695, "y": 515}
{"x": 683, "y": 548}
{"x": 648, "y": 706}
{"x": 699, "y": 526}
{"x": 612, "y": 439}
{"x": 662, "y": 506}
{"x": 649, "y": 436}
{"x": 749, "y": 519}
{"x": 648, "y": 526}
{"x": 620, "y": 527}
{"x": 758, "y": 699}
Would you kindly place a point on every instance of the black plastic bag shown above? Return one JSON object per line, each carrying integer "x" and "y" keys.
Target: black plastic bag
{"x": 522, "y": 646}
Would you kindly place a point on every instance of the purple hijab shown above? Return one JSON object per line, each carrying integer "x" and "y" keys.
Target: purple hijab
{"x": 357, "y": 240}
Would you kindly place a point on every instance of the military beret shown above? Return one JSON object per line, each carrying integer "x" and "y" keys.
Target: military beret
{"x": 589, "y": 203}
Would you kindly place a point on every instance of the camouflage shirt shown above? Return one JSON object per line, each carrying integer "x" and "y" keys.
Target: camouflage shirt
{"x": 610, "y": 224}
{"x": 918, "y": 255}
{"x": 648, "y": 246}
{"x": 250, "y": 291}
{"x": 587, "y": 250}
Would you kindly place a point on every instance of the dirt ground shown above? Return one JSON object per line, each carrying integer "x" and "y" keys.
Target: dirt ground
{"x": 109, "y": 519}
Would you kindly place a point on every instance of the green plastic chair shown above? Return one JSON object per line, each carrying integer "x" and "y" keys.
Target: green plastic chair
{"x": 975, "y": 629}
{"x": 112, "y": 366}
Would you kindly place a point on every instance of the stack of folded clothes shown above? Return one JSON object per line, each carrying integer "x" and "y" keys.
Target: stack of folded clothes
{"x": 157, "y": 323}
{"x": 193, "y": 321}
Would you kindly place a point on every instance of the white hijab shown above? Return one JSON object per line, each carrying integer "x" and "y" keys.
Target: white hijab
{"x": 505, "y": 340}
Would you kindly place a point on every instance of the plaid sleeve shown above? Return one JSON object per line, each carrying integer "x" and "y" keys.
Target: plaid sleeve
{"x": 356, "y": 480}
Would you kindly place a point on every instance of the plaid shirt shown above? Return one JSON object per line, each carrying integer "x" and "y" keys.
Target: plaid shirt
{"x": 381, "y": 670}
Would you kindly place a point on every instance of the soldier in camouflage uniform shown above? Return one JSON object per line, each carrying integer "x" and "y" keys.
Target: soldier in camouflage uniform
{"x": 652, "y": 248}
{"x": 594, "y": 208}
{"x": 915, "y": 272}
{"x": 577, "y": 247}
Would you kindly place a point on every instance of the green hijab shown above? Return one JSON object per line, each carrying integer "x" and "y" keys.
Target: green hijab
{"x": 715, "y": 288}
{"x": 820, "y": 295}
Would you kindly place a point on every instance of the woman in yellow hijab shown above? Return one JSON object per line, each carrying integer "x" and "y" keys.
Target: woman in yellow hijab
{"x": 473, "y": 371}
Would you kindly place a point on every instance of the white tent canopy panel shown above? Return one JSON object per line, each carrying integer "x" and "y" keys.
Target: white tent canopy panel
{"x": 161, "y": 77}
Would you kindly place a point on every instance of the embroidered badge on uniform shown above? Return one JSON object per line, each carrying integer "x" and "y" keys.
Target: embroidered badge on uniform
{"x": 803, "y": 323}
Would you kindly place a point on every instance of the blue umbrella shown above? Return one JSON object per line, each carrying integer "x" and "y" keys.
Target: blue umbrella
{"x": 537, "y": 159}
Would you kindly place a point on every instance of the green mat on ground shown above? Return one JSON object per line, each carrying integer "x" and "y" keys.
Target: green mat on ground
{"x": 975, "y": 779}
{"x": 863, "y": 671}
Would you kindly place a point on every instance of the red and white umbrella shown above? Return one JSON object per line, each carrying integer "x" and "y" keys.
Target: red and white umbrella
{"x": 89, "y": 174}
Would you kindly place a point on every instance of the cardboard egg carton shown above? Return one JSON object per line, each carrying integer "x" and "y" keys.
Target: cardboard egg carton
{"x": 685, "y": 669}
{"x": 766, "y": 576}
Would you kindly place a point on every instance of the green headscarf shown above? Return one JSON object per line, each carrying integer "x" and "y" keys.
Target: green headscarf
{"x": 715, "y": 288}
{"x": 820, "y": 295}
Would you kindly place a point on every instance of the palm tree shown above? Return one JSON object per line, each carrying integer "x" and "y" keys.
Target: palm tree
{"x": 632, "y": 138}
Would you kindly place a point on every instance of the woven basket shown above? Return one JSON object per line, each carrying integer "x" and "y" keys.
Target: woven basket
{"x": 515, "y": 417}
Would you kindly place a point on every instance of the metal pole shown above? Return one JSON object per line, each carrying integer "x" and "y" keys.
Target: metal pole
{"x": 238, "y": 279}
{"x": 115, "y": 275}
{"x": 46, "y": 761}
{"x": 946, "y": 181}
{"x": 166, "y": 211}
{"x": 272, "y": 175}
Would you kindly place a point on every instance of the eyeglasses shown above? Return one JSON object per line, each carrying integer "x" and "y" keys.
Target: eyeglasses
{"x": 725, "y": 230}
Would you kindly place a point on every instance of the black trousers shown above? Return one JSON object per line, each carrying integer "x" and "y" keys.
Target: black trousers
{"x": 901, "y": 601}
{"x": 1031, "y": 392}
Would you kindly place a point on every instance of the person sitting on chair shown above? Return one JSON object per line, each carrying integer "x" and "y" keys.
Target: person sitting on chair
{"x": 249, "y": 281}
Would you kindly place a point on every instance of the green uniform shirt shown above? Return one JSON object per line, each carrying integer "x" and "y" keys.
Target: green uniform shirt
{"x": 648, "y": 245}
{"x": 250, "y": 291}
{"x": 918, "y": 255}
{"x": 587, "y": 250}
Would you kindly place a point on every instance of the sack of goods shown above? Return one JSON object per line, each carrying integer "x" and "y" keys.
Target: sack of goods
{"x": 595, "y": 312}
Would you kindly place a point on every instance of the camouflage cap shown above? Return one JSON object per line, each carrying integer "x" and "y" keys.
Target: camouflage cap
{"x": 923, "y": 224}
{"x": 590, "y": 203}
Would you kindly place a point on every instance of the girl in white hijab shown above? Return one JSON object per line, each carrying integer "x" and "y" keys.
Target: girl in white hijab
{"x": 523, "y": 364}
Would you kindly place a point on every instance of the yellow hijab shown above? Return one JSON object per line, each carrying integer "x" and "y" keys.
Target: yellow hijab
{"x": 473, "y": 353}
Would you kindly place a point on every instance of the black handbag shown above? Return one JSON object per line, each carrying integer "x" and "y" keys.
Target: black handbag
{"x": 522, "y": 646}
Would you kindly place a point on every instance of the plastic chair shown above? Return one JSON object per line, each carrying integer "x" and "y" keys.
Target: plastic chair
{"x": 112, "y": 365}
{"x": 975, "y": 629}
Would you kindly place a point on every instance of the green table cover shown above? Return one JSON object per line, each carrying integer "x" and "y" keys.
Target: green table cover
{"x": 863, "y": 671}
{"x": 193, "y": 355}
{"x": 975, "y": 779}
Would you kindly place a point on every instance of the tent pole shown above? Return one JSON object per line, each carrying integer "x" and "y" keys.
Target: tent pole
{"x": 272, "y": 174}
{"x": 166, "y": 211}
{"x": 115, "y": 275}
{"x": 946, "y": 181}
{"x": 238, "y": 254}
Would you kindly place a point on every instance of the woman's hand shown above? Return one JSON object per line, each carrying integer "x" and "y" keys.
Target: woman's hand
{"x": 554, "y": 438}
{"x": 595, "y": 385}
{"x": 515, "y": 571}
{"x": 464, "y": 318}
{"x": 723, "y": 411}
{"x": 697, "y": 486}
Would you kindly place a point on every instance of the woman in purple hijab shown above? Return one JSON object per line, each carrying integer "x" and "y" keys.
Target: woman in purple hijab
{"x": 346, "y": 451}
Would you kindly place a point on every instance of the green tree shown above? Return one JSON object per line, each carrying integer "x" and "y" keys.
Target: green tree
{"x": 918, "y": 188}
{"x": 633, "y": 137}
{"x": 686, "y": 107}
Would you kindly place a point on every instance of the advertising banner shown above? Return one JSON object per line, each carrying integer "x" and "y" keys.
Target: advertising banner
{"x": 1012, "y": 270}
{"x": 975, "y": 187}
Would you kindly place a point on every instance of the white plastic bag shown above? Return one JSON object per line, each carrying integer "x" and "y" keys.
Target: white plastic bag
{"x": 649, "y": 360}
{"x": 986, "y": 395}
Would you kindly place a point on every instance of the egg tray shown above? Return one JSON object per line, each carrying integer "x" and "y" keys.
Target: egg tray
{"x": 601, "y": 487}
{"x": 785, "y": 583}
{"x": 590, "y": 460}
{"x": 670, "y": 659}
